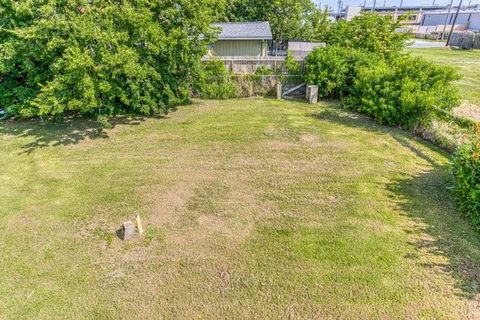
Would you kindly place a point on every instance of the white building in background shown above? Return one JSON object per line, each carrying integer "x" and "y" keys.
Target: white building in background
{"x": 467, "y": 19}
{"x": 425, "y": 19}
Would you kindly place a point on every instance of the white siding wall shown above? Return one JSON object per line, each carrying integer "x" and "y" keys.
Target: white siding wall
{"x": 475, "y": 22}
{"x": 430, "y": 19}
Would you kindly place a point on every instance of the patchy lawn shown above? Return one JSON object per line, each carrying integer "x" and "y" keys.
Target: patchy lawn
{"x": 468, "y": 63}
{"x": 254, "y": 209}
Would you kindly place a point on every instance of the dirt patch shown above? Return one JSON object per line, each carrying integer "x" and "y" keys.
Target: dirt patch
{"x": 168, "y": 203}
{"x": 309, "y": 138}
{"x": 468, "y": 110}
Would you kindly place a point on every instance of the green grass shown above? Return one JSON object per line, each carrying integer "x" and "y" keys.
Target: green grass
{"x": 468, "y": 63}
{"x": 253, "y": 209}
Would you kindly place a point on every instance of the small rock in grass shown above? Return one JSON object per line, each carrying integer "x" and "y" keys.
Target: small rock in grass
{"x": 128, "y": 230}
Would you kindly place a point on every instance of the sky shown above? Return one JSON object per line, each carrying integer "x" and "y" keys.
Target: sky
{"x": 334, "y": 3}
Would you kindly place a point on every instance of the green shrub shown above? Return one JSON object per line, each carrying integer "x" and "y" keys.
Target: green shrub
{"x": 328, "y": 69}
{"x": 219, "y": 90}
{"x": 465, "y": 168}
{"x": 214, "y": 81}
{"x": 292, "y": 65}
{"x": 103, "y": 122}
{"x": 263, "y": 71}
{"x": 402, "y": 91}
{"x": 333, "y": 69}
{"x": 399, "y": 90}
{"x": 101, "y": 57}
{"x": 370, "y": 32}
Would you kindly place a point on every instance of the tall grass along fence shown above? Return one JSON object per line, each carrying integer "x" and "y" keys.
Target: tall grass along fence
{"x": 218, "y": 82}
{"x": 245, "y": 85}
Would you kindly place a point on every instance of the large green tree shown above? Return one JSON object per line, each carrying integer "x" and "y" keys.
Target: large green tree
{"x": 318, "y": 26}
{"x": 290, "y": 19}
{"x": 100, "y": 57}
{"x": 370, "y": 32}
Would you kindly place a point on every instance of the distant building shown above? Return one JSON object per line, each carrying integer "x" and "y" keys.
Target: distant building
{"x": 467, "y": 19}
{"x": 414, "y": 12}
{"x": 424, "y": 19}
{"x": 245, "y": 39}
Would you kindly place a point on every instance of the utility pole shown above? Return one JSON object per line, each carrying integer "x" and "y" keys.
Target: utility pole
{"x": 365, "y": 3}
{"x": 446, "y": 19}
{"x": 374, "y": 5}
{"x": 454, "y": 21}
{"x": 401, "y": 3}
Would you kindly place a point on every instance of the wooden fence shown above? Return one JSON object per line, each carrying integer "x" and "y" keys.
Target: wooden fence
{"x": 248, "y": 65}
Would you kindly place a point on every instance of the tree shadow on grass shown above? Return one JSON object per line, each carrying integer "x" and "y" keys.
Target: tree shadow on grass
{"x": 350, "y": 119}
{"x": 439, "y": 229}
{"x": 70, "y": 131}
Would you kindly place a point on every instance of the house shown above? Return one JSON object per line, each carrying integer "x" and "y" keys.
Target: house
{"x": 242, "y": 39}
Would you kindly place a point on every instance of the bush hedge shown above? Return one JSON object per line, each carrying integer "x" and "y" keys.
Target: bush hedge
{"x": 403, "y": 91}
{"x": 100, "y": 57}
{"x": 400, "y": 90}
{"x": 465, "y": 168}
{"x": 333, "y": 69}
{"x": 213, "y": 82}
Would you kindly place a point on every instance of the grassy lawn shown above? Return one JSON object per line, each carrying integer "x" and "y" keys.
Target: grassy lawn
{"x": 254, "y": 209}
{"x": 468, "y": 63}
